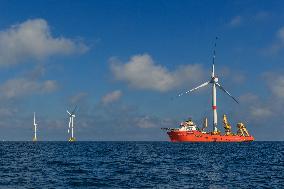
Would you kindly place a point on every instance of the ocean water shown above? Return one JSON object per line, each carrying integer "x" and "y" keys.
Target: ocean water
{"x": 141, "y": 165}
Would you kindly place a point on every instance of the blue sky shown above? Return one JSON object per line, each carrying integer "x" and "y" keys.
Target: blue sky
{"x": 122, "y": 62}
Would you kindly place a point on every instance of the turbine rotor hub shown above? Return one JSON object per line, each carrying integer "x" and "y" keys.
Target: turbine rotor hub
{"x": 215, "y": 79}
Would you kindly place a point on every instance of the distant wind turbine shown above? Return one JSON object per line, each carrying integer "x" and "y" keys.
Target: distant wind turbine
{"x": 71, "y": 124}
{"x": 35, "y": 129}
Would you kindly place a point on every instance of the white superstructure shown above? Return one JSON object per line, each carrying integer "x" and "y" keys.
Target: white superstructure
{"x": 188, "y": 125}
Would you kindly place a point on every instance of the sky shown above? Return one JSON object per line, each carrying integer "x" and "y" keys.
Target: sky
{"x": 123, "y": 63}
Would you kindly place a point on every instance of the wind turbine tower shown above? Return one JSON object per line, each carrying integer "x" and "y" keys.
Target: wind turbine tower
{"x": 71, "y": 124}
{"x": 35, "y": 129}
{"x": 214, "y": 81}
{"x": 188, "y": 130}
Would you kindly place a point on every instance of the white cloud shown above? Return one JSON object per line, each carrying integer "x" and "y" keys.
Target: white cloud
{"x": 275, "y": 83}
{"x": 8, "y": 111}
{"x": 263, "y": 109}
{"x": 278, "y": 87}
{"x": 32, "y": 39}
{"x": 78, "y": 97}
{"x": 248, "y": 98}
{"x": 141, "y": 72}
{"x": 111, "y": 97}
{"x": 254, "y": 108}
{"x": 236, "y": 21}
{"x": 21, "y": 87}
{"x": 251, "y": 18}
{"x": 37, "y": 72}
{"x": 261, "y": 16}
{"x": 277, "y": 45}
{"x": 260, "y": 113}
{"x": 47, "y": 86}
{"x": 280, "y": 34}
{"x": 235, "y": 76}
{"x": 146, "y": 122}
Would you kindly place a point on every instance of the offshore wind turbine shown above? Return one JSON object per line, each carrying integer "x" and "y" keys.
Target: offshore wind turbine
{"x": 188, "y": 130}
{"x": 35, "y": 129}
{"x": 214, "y": 81}
{"x": 71, "y": 124}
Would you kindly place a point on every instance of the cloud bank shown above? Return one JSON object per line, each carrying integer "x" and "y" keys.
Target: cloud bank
{"x": 278, "y": 44}
{"x": 111, "y": 97}
{"x": 141, "y": 72}
{"x": 32, "y": 39}
{"x": 275, "y": 83}
{"x": 20, "y": 87}
{"x": 245, "y": 19}
{"x": 236, "y": 21}
{"x": 269, "y": 107}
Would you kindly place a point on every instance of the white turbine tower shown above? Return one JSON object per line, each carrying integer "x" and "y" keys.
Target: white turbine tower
{"x": 71, "y": 124}
{"x": 215, "y": 82}
{"x": 35, "y": 129}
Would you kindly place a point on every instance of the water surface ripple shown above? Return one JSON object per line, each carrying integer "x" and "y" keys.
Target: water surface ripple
{"x": 141, "y": 165}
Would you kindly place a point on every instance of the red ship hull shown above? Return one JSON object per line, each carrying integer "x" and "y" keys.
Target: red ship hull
{"x": 197, "y": 136}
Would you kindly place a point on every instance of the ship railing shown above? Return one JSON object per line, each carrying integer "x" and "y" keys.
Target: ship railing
{"x": 170, "y": 129}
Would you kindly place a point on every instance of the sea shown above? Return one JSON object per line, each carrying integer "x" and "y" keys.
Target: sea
{"x": 141, "y": 165}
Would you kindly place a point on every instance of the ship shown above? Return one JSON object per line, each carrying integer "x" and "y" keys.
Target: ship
{"x": 188, "y": 131}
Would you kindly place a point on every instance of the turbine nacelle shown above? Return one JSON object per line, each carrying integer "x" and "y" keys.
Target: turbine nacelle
{"x": 71, "y": 114}
{"x": 214, "y": 80}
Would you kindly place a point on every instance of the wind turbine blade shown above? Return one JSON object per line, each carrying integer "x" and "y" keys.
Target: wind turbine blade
{"x": 34, "y": 119}
{"x": 227, "y": 92}
{"x": 214, "y": 56}
{"x": 202, "y": 85}
{"x": 213, "y": 68}
{"x": 68, "y": 112}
